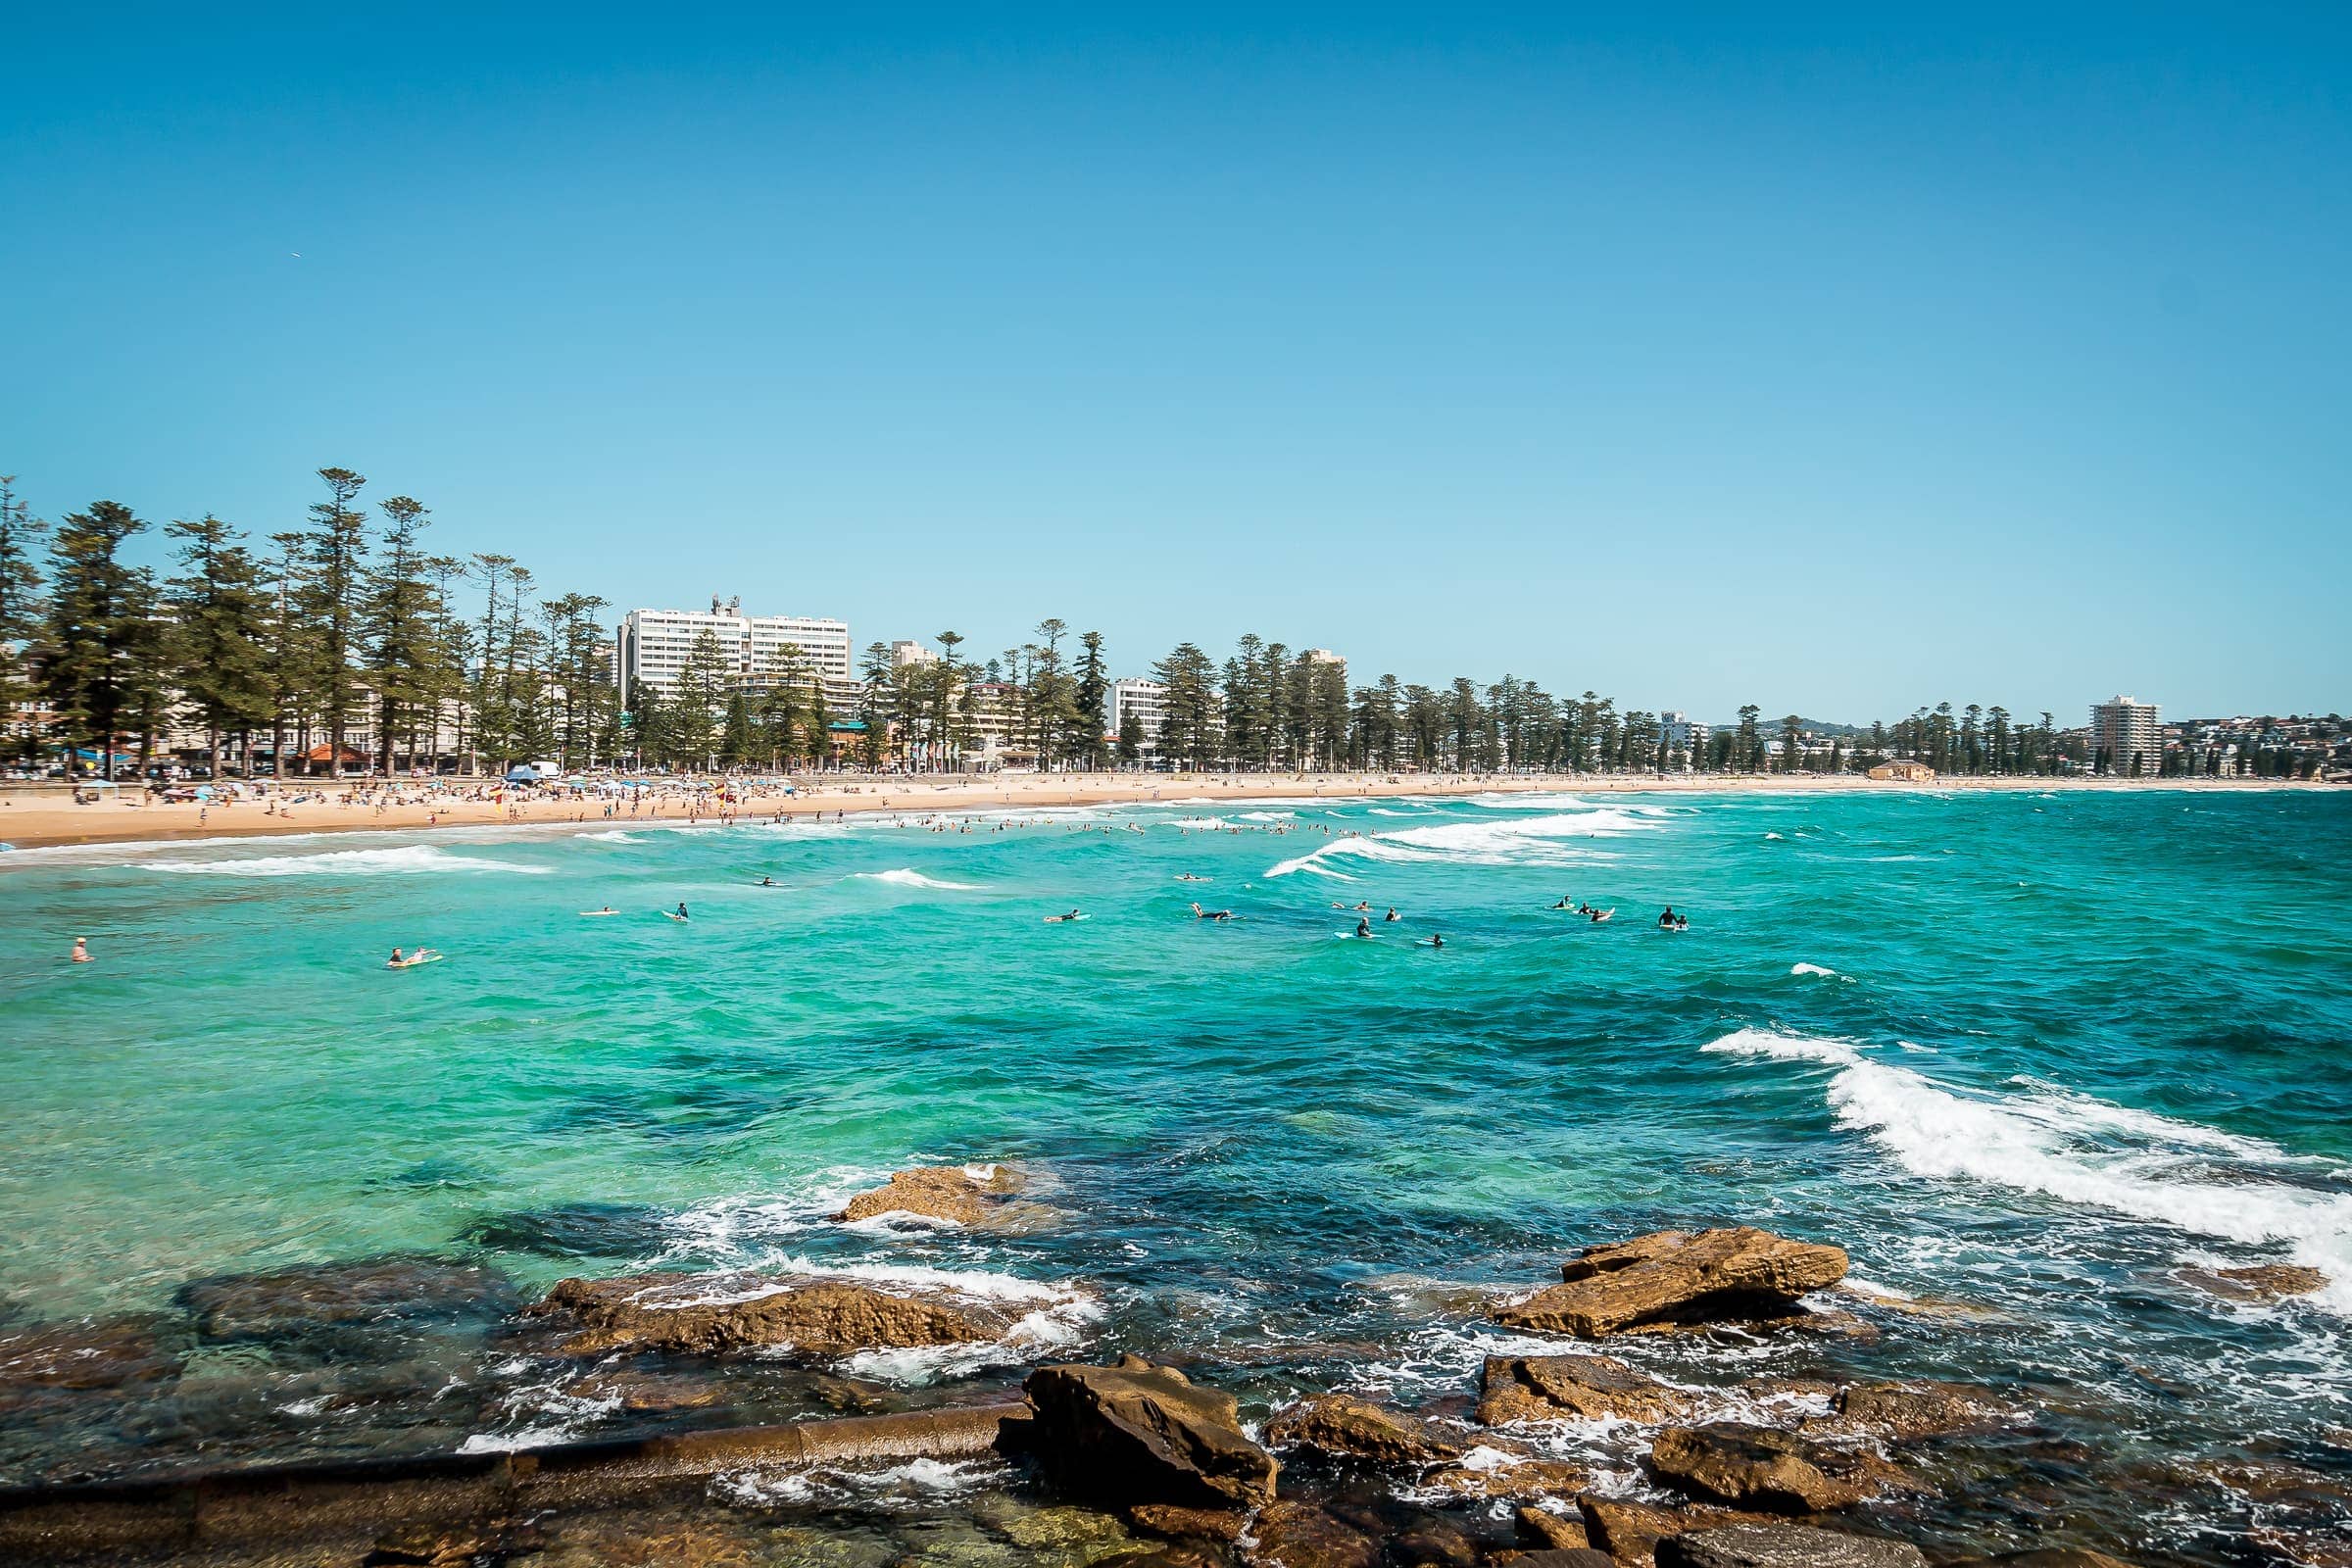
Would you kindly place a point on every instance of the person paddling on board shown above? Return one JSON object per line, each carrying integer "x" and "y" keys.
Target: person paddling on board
{"x": 1363, "y": 928}
{"x": 1563, "y": 903}
{"x": 1666, "y": 919}
{"x": 1059, "y": 919}
{"x": 681, "y": 914}
{"x": 1393, "y": 916}
{"x": 1436, "y": 941}
{"x": 767, "y": 881}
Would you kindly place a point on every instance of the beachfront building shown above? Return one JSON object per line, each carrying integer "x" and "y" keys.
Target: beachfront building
{"x": 907, "y": 651}
{"x": 1679, "y": 732}
{"x": 1904, "y": 770}
{"x": 1148, "y": 702}
{"x": 654, "y": 646}
{"x": 2126, "y": 737}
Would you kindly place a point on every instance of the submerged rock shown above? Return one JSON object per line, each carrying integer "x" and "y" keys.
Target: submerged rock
{"x": 1138, "y": 1433}
{"x": 89, "y": 1355}
{"x": 1783, "y": 1547}
{"x": 950, "y": 1193}
{"x": 1300, "y": 1534}
{"x": 574, "y": 1230}
{"x": 1731, "y": 1462}
{"x": 2048, "y": 1557}
{"x": 1498, "y": 1470}
{"x": 1907, "y": 1411}
{"x": 706, "y": 1314}
{"x": 2262, "y": 1282}
{"x": 1178, "y": 1523}
{"x": 298, "y": 1302}
{"x": 1344, "y": 1427}
{"x": 1589, "y": 1387}
{"x": 1676, "y": 1278}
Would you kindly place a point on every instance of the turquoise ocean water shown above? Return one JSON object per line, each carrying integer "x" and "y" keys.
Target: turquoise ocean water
{"x": 2035, "y": 1054}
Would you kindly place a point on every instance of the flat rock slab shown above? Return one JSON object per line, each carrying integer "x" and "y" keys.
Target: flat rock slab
{"x": 706, "y": 1314}
{"x": 1586, "y": 1388}
{"x": 1678, "y": 1279}
{"x": 1760, "y": 1467}
{"x": 1342, "y": 1427}
{"x": 1137, "y": 1432}
{"x": 1629, "y": 1532}
{"x": 1783, "y": 1547}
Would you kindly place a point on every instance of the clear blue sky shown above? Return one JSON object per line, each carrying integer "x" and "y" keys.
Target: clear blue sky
{"x": 1840, "y": 365}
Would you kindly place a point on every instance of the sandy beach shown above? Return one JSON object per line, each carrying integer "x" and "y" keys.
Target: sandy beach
{"x": 37, "y": 820}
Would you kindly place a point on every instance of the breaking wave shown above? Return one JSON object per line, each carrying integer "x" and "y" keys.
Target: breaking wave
{"x": 409, "y": 860}
{"x": 1536, "y": 840}
{"x": 2052, "y": 1142}
{"x": 907, "y": 877}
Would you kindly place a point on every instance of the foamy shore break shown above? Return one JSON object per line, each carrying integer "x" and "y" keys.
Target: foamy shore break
{"x": 35, "y": 819}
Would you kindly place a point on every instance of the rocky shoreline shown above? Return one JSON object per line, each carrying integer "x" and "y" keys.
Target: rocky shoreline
{"x": 1136, "y": 1462}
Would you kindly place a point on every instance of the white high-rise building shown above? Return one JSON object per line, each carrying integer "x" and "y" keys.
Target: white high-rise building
{"x": 654, "y": 644}
{"x": 1147, "y": 701}
{"x": 907, "y": 651}
{"x": 2125, "y": 728}
{"x": 1678, "y": 732}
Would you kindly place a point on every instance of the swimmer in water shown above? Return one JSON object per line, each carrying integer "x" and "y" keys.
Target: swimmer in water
{"x": 1563, "y": 903}
{"x": 1666, "y": 919}
{"x": 81, "y": 950}
{"x": 1198, "y": 913}
{"x": 767, "y": 881}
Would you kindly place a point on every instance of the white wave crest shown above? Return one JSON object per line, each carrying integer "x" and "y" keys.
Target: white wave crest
{"x": 1264, "y": 816}
{"x": 615, "y": 836}
{"x": 907, "y": 877}
{"x": 1815, "y": 968}
{"x": 1536, "y": 840}
{"x": 408, "y": 860}
{"x": 2052, "y": 1142}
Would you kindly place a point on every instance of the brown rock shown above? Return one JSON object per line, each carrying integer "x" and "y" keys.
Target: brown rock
{"x": 1518, "y": 1480}
{"x": 1563, "y": 1557}
{"x": 1728, "y": 1461}
{"x": 1188, "y": 1524}
{"x": 648, "y": 1391}
{"x": 2262, "y": 1282}
{"x": 1138, "y": 1432}
{"x": 2048, "y": 1557}
{"x": 1629, "y": 1532}
{"x": 1674, "y": 1278}
{"x": 1905, "y": 1411}
{"x": 937, "y": 1192}
{"x": 1589, "y": 1387}
{"x": 708, "y": 1314}
{"x": 1299, "y": 1535}
{"x": 1435, "y": 1539}
{"x": 1342, "y": 1426}
{"x": 1541, "y": 1527}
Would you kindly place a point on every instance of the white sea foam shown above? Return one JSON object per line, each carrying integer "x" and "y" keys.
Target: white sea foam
{"x": 914, "y": 1483}
{"x": 2052, "y": 1142}
{"x": 1549, "y": 840}
{"x": 615, "y": 836}
{"x": 1266, "y": 816}
{"x": 1815, "y": 968}
{"x": 408, "y": 860}
{"x": 907, "y": 877}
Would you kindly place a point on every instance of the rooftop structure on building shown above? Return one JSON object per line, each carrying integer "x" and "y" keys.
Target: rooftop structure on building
{"x": 907, "y": 651}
